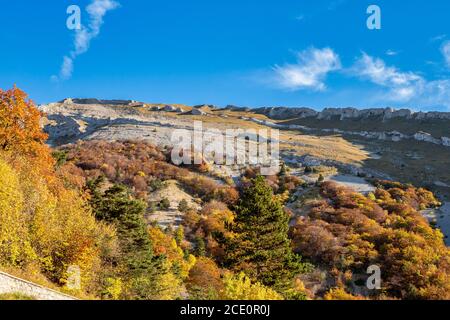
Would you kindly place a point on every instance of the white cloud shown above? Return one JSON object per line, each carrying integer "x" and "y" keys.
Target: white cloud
{"x": 67, "y": 68}
{"x": 336, "y": 4}
{"x": 445, "y": 49}
{"x": 391, "y": 52}
{"x": 311, "y": 69}
{"x": 96, "y": 10}
{"x": 438, "y": 38}
{"x": 402, "y": 86}
{"x": 435, "y": 94}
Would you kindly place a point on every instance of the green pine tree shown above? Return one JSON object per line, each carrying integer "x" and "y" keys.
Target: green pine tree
{"x": 261, "y": 247}
{"x": 200, "y": 247}
{"x": 283, "y": 171}
{"x": 183, "y": 206}
{"x": 179, "y": 235}
{"x": 139, "y": 267}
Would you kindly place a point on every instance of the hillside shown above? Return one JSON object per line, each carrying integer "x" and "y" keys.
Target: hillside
{"x": 108, "y": 200}
{"x": 383, "y": 143}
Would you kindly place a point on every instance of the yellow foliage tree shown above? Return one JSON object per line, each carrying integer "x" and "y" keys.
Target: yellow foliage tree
{"x": 42, "y": 222}
{"x": 15, "y": 247}
{"x": 205, "y": 281}
{"x": 240, "y": 287}
{"x": 165, "y": 244}
{"x": 340, "y": 294}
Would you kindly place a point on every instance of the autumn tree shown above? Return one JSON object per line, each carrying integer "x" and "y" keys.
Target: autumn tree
{"x": 165, "y": 244}
{"x": 15, "y": 244}
{"x": 49, "y": 227}
{"x": 341, "y": 294}
{"x": 20, "y": 129}
{"x": 345, "y": 232}
{"x": 240, "y": 287}
{"x": 183, "y": 206}
{"x": 204, "y": 281}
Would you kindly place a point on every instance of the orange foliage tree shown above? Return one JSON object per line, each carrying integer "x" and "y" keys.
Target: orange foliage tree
{"x": 21, "y": 134}
{"x": 20, "y": 129}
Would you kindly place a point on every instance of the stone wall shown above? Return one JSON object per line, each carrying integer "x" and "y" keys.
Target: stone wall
{"x": 11, "y": 284}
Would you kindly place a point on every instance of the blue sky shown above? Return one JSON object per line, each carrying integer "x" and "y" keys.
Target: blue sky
{"x": 248, "y": 52}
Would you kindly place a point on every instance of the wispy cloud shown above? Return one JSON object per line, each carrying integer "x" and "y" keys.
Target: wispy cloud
{"x": 445, "y": 49}
{"x": 391, "y": 52}
{"x": 435, "y": 94}
{"x": 300, "y": 17}
{"x": 333, "y": 5}
{"x": 438, "y": 38}
{"x": 402, "y": 85}
{"x": 66, "y": 68}
{"x": 96, "y": 10}
{"x": 309, "y": 72}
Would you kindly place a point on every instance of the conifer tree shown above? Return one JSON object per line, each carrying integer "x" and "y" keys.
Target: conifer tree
{"x": 261, "y": 247}
{"x": 144, "y": 272}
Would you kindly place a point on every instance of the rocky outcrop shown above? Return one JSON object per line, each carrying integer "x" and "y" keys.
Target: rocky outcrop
{"x": 97, "y": 101}
{"x": 426, "y": 137}
{"x": 352, "y": 113}
{"x": 203, "y": 106}
{"x": 282, "y": 113}
{"x": 198, "y": 112}
{"x": 445, "y": 141}
{"x": 394, "y": 136}
{"x": 77, "y": 117}
{"x": 169, "y": 109}
{"x": 237, "y": 109}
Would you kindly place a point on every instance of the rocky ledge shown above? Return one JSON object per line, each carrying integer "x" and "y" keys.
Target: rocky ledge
{"x": 394, "y": 136}
{"x": 282, "y": 113}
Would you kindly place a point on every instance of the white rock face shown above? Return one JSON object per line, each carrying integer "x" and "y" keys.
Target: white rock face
{"x": 75, "y": 117}
{"x": 283, "y": 112}
{"x": 350, "y": 113}
{"x": 403, "y": 113}
{"x": 311, "y": 161}
{"x": 445, "y": 141}
{"x": 68, "y": 101}
{"x": 424, "y": 136}
{"x": 169, "y": 109}
{"x": 198, "y": 112}
{"x": 394, "y": 136}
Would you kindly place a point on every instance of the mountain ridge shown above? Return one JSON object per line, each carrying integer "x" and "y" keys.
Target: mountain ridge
{"x": 284, "y": 113}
